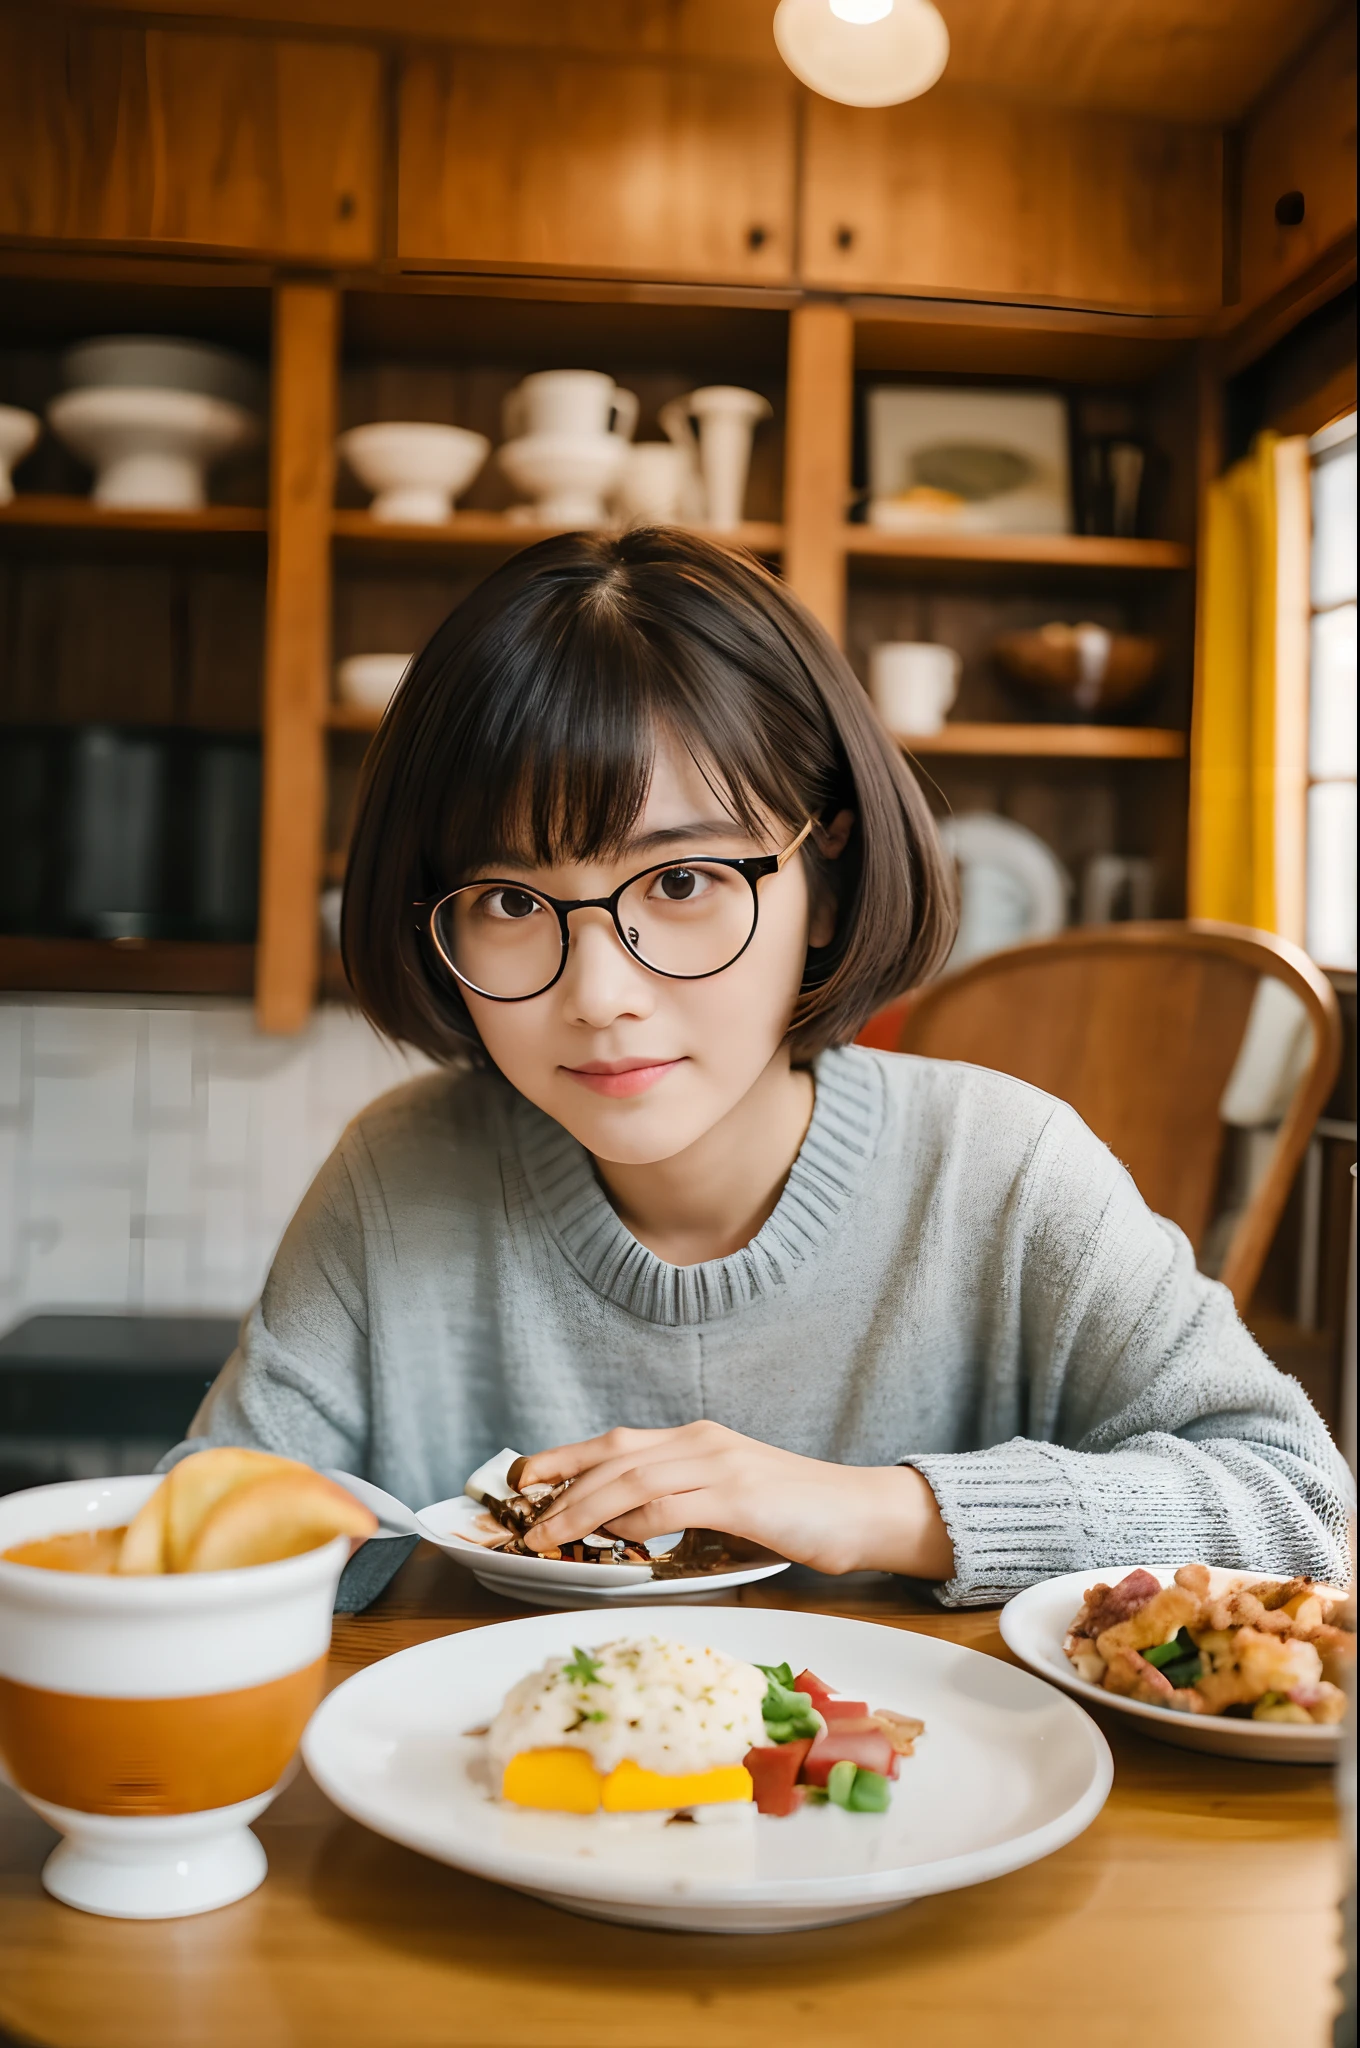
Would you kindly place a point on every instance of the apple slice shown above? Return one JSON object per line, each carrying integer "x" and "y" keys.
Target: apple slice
{"x": 195, "y": 1486}
{"x": 143, "y": 1545}
{"x": 279, "y": 1515}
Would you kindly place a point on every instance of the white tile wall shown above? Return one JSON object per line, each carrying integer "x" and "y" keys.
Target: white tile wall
{"x": 151, "y": 1155}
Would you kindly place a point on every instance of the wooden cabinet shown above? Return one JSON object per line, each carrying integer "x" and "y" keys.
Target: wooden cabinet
{"x": 961, "y": 193}
{"x": 1298, "y": 167}
{"x": 578, "y": 165}
{"x": 186, "y": 138}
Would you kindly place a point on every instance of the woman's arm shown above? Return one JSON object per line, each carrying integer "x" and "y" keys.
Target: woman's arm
{"x": 1156, "y": 1430}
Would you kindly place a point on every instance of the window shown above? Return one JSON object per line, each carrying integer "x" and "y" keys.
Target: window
{"x": 1331, "y": 841}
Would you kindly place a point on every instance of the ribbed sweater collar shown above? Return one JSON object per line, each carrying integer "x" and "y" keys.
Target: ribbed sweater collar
{"x": 822, "y": 1183}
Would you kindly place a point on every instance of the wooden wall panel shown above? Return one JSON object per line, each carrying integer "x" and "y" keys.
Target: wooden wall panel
{"x": 1301, "y": 140}
{"x": 189, "y": 138}
{"x": 957, "y": 192}
{"x": 575, "y": 165}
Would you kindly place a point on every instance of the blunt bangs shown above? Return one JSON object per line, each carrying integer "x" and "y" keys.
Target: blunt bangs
{"x": 526, "y": 730}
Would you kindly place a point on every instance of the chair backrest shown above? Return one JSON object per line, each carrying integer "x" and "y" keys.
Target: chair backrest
{"x": 1139, "y": 1027}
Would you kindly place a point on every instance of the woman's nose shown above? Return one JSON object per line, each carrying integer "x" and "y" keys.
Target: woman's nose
{"x": 601, "y": 980}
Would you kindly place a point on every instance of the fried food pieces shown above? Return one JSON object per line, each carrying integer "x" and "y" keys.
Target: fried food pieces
{"x": 222, "y": 1509}
{"x": 1265, "y": 1649}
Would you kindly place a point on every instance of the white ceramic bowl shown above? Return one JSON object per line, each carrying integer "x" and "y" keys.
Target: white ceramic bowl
{"x": 416, "y": 468}
{"x": 18, "y": 431}
{"x": 368, "y": 681}
{"x": 163, "y": 362}
{"x": 150, "y": 449}
{"x": 150, "y": 1719}
{"x": 568, "y": 476}
{"x": 1035, "y": 1623}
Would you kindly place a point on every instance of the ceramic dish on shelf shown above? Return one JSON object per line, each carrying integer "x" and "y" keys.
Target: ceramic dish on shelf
{"x": 566, "y": 477}
{"x": 369, "y": 681}
{"x": 555, "y": 1582}
{"x": 416, "y": 468}
{"x": 1035, "y": 1623}
{"x": 164, "y": 362}
{"x": 150, "y": 449}
{"x": 18, "y": 431}
{"x": 1012, "y": 887}
{"x": 1008, "y": 1770}
{"x": 1081, "y": 671}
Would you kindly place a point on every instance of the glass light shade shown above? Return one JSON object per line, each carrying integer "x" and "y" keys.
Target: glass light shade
{"x": 861, "y": 53}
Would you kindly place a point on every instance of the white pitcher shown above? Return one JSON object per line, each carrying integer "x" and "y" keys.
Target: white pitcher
{"x": 727, "y": 419}
{"x": 569, "y": 402}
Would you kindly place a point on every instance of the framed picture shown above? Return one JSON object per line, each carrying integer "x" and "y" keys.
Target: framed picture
{"x": 960, "y": 459}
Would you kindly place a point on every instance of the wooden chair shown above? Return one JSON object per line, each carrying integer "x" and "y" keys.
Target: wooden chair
{"x": 1138, "y": 1026}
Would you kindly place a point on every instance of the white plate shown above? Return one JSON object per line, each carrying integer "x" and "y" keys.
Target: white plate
{"x": 1006, "y": 1772}
{"x": 1035, "y": 1623}
{"x": 555, "y": 1582}
{"x": 1012, "y": 887}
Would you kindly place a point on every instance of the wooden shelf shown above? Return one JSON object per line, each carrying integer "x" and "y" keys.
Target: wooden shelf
{"x": 1051, "y": 742}
{"x": 84, "y": 516}
{"x": 1043, "y": 550}
{"x": 191, "y": 967}
{"x": 496, "y": 533}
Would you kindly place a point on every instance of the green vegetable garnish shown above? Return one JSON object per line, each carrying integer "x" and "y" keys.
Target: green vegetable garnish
{"x": 583, "y": 1668}
{"x": 840, "y": 1784}
{"x": 778, "y": 1674}
{"x": 870, "y": 1792}
{"x": 788, "y": 1715}
{"x": 1178, "y": 1661}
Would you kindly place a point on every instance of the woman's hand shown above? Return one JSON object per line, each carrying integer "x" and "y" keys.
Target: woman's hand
{"x": 637, "y": 1483}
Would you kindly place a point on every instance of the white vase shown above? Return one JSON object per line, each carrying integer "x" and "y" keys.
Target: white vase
{"x": 727, "y": 418}
{"x": 18, "y": 431}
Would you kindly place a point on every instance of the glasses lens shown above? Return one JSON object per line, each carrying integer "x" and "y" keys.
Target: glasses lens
{"x": 688, "y": 920}
{"x": 502, "y": 940}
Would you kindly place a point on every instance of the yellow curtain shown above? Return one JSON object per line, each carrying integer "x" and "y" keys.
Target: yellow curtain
{"x": 1233, "y": 737}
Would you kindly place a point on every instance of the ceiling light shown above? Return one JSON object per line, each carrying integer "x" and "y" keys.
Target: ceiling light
{"x": 864, "y": 53}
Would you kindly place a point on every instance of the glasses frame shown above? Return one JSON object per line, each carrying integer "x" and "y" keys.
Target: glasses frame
{"x": 752, "y": 868}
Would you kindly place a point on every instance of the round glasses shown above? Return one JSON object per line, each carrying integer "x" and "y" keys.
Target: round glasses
{"x": 686, "y": 919}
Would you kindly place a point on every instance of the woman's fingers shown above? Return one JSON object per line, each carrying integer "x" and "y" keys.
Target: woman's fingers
{"x": 619, "y": 1489}
{"x": 567, "y": 1461}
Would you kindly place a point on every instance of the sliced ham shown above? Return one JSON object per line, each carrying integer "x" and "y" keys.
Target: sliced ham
{"x": 774, "y": 1776}
{"x": 860, "y": 1742}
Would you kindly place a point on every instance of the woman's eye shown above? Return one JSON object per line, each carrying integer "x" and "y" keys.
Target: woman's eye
{"x": 509, "y": 903}
{"x": 681, "y": 885}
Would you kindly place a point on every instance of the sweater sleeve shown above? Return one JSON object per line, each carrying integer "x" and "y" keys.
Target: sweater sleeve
{"x": 297, "y": 1383}
{"x": 1157, "y": 1431}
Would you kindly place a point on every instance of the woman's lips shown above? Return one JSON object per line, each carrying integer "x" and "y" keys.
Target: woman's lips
{"x": 621, "y": 1077}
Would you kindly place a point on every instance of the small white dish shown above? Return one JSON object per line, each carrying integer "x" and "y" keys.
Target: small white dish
{"x": 567, "y": 476}
{"x": 150, "y": 449}
{"x": 369, "y": 681}
{"x": 1006, "y": 1772}
{"x": 1035, "y": 1623}
{"x": 416, "y": 467}
{"x": 164, "y": 362}
{"x": 556, "y": 1582}
{"x": 18, "y": 431}
{"x": 1012, "y": 887}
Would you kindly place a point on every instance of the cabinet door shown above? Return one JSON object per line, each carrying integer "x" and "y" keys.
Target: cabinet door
{"x": 569, "y": 165}
{"x": 1298, "y": 167}
{"x": 188, "y": 138}
{"x": 958, "y": 193}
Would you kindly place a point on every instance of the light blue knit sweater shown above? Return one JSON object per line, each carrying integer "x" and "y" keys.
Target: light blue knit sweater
{"x": 957, "y": 1276}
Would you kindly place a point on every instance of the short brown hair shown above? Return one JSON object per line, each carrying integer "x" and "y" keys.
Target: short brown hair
{"x": 527, "y": 727}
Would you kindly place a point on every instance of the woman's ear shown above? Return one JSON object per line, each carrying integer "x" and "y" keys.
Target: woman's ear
{"x": 830, "y": 841}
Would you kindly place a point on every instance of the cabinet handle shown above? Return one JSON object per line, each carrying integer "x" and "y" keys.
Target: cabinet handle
{"x": 346, "y": 206}
{"x": 757, "y": 237}
{"x": 845, "y": 238}
{"x": 1289, "y": 209}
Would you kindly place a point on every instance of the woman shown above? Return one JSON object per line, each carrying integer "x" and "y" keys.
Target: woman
{"x": 634, "y": 861}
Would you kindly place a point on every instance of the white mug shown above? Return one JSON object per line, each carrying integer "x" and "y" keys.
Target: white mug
{"x": 913, "y": 683}
{"x": 653, "y": 483}
{"x": 569, "y": 402}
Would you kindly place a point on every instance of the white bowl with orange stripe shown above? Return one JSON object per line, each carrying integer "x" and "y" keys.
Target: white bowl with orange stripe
{"x": 151, "y": 1718}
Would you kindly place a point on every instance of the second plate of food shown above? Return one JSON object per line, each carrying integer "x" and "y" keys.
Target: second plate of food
{"x": 459, "y": 1527}
{"x": 1006, "y": 1771}
{"x": 1036, "y": 1623}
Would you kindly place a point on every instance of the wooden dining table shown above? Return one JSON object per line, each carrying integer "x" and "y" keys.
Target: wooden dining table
{"x": 1198, "y": 1908}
